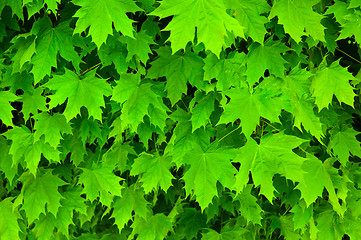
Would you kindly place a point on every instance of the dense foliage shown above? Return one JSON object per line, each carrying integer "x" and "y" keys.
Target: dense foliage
{"x": 180, "y": 119}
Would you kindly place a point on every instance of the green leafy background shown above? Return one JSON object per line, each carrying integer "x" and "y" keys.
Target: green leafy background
{"x": 180, "y": 119}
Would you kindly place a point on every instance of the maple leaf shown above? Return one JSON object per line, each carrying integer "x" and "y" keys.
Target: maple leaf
{"x": 100, "y": 181}
{"x": 40, "y": 193}
{"x": 354, "y": 4}
{"x": 206, "y": 168}
{"x": 50, "y": 42}
{"x": 298, "y": 18}
{"x": 44, "y": 226}
{"x": 224, "y": 235}
{"x": 51, "y": 127}
{"x": 332, "y": 80}
{"x": 248, "y": 206}
{"x": 32, "y": 102}
{"x": 71, "y": 202}
{"x": 154, "y": 171}
{"x": 249, "y": 107}
{"x": 178, "y": 70}
{"x": 138, "y": 46}
{"x": 273, "y": 155}
{"x": 352, "y": 26}
{"x": 263, "y": 57}
{"x": 5, "y": 114}
{"x": 155, "y": 227}
{"x": 317, "y": 176}
{"x": 302, "y": 214}
{"x": 25, "y": 46}
{"x": 87, "y": 92}
{"x": 202, "y": 111}
{"x": 25, "y": 149}
{"x": 114, "y": 51}
{"x": 228, "y": 72}
{"x": 248, "y": 15}
{"x": 132, "y": 200}
{"x": 139, "y": 104}
{"x": 52, "y": 5}
{"x": 9, "y": 226}
{"x": 99, "y": 16}
{"x": 190, "y": 14}
{"x": 6, "y": 164}
{"x": 343, "y": 143}
{"x": 73, "y": 144}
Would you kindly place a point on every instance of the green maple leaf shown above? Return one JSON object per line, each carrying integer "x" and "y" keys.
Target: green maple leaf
{"x": 352, "y": 26}
{"x": 154, "y": 171}
{"x": 273, "y": 155}
{"x": 100, "y": 15}
{"x": 178, "y": 70}
{"x": 354, "y": 4}
{"x": 132, "y": 200}
{"x": 143, "y": 101}
{"x": 100, "y": 181}
{"x": 202, "y": 111}
{"x": 263, "y": 57}
{"x": 25, "y": 149}
{"x": 207, "y": 167}
{"x": 302, "y": 214}
{"x": 332, "y": 80}
{"x": 138, "y": 46}
{"x": 32, "y": 102}
{"x": 343, "y": 143}
{"x": 190, "y": 14}
{"x": 248, "y": 15}
{"x": 114, "y": 51}
{"x": 50, "y": 42}
{"x": 25, "y": 46}
{"x": 249, "y": 107}
{"x": 125, "y": 87}
{"x": 44, "y": 227}
{"x": 298, "y": 18}
{"x": 5, "y": 114}
{"x": 318, "y": 176}
{"x": 52, "y": 5}
{"x": 155, "y": 227}
{"x": 9, "y": 226}
{"x": 87, "y": 92}
{"x": 51, "y": 127}
{"x": 6, "y": 164}
{"x": 40, "y": 193}
{"x": 302, "y": 109}
{"x": 248, "y": 206}
{"x": 228, "y": 72}
{"x": 74, "y": 145}
{"x": 224, "y": 235}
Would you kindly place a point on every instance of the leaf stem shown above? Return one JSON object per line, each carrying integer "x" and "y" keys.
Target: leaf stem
{"x": 91, "y": 68}
{"x": 229, "y": 133}
{"x": 348, "y": 55}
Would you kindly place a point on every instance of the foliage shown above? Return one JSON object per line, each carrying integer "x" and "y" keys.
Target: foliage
{"x": 180, "y": 119}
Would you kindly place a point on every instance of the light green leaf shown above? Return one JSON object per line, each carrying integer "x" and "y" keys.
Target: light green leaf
{"x": 87, "y": 92}
{"x": 32, "y": 102}
{"x": 155, "y": 227}
{"x": 9, "y": 226}
{"x": 343, "y": 143}
{"x": 51, "y": 127}
{"x": 298, "y": 18}
{"x": 154, "y": 172}
{"x": 100, "y": 181}
{"x": 191, "y": 14}
{"x": 178, "y": 70}
{"x": 100, "y": 15}
{"x": 332, "y": 80}
{"x": 5, "y": 114}
{"x": 138, "y": 46}
{"x": 40, "y": 193}
{"x": 206, "y": 169}
{"x": 248, "y": 206}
